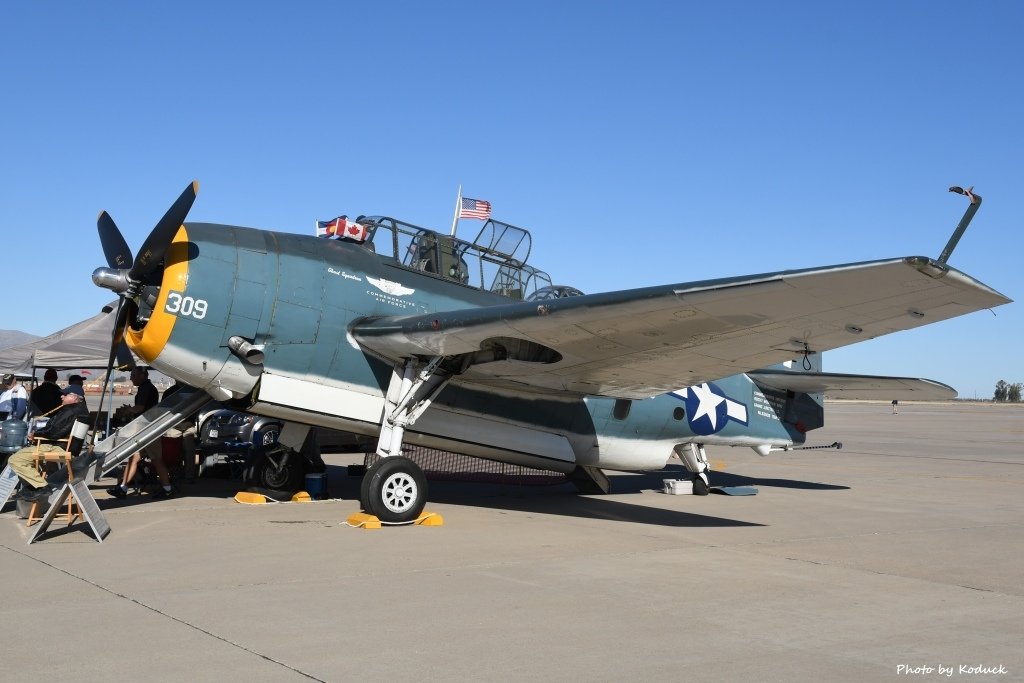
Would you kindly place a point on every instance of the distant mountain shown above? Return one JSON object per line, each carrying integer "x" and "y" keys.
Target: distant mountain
{"x": 14, "y": 337}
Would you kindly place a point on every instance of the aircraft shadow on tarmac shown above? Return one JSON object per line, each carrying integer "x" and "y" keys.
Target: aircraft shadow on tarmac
{"x": 654, "y": 480}
{"x": 729, "y": 479}
{"x": 556, "y": 499}
{"x": 563, "y": 500}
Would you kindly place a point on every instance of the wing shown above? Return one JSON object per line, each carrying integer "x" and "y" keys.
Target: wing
{"x": 643, "y": 342}
{"x": 836, "y": 385}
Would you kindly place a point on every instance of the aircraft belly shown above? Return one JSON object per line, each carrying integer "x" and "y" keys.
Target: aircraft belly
{"x": 748, "y": 441}
{"x": 491, "y": 437}
{"x": 360, "y": 408}
{"x": 618, "y": 453}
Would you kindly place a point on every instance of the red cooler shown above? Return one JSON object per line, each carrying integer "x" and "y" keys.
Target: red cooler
{"x": 171, "y": 447}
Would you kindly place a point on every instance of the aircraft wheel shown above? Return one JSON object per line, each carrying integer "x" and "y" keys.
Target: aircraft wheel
{"x": 265, "y": 473}
{"x": 394, "y": 489}
{"x": 700, "y": 487}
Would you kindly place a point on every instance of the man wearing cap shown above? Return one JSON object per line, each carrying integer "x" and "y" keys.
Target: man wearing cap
{"x": 55, "y": 430}
{"x": 13, "y": 400}
{"x": 75, "y": 384}
{"x": 46, "y": 396}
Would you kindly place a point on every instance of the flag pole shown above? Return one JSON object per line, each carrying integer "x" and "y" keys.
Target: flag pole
{"x": 458, "y": 207}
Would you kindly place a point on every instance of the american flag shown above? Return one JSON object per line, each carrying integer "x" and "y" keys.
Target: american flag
{"x": 475, "y": 208}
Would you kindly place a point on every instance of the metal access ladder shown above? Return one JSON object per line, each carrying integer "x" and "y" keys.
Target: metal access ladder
{"x": 139, "y": 433}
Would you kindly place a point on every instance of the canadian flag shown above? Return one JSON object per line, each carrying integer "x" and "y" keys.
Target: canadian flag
{"x": 341, "y": 227}
{"x": 353, "y": 231}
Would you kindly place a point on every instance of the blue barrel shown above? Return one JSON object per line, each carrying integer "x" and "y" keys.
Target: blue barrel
{"x": 13, "y": 434}
{"x": 316, "y": 485}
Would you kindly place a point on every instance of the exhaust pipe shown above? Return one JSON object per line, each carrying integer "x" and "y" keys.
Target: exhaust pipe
{"x": 248, "y": 352}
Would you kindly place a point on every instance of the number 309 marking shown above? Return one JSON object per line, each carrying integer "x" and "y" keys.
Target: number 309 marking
{"x": 185, "y": 305}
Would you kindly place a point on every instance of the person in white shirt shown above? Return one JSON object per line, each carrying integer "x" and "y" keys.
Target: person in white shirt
{"x": 13, "y": 400}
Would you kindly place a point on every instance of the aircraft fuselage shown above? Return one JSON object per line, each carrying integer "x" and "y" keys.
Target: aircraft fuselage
{"x": 294, "y": 298}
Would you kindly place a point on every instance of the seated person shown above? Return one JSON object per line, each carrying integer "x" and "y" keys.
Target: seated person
{"x": 76, "y": 384}
{"x": 121, "y": 490}
{"x": 14, "y": 399}
{"x": 46, "y": 397}
{"x": 57, "y": 428}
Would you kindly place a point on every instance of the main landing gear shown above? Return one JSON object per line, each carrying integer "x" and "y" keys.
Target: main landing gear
{"x": 696, "y": 461}
{"x": 394, "y": 488}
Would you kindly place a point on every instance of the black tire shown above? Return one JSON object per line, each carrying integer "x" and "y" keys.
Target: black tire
{"x": 364, "y": 486}
{"x": 264, "y": 473}
{"x": 394, "y": 490}
{"x": 700, "y": 487}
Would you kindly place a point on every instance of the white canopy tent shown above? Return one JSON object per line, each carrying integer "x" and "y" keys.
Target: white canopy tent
{"x": 85, "y": 344}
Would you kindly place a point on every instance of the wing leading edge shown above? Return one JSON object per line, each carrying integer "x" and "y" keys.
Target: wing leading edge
{"x": 643, "y": 342}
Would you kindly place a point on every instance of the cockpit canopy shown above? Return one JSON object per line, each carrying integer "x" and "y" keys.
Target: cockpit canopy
{"x": 554, "y": 292}
{"x": 495, "y": 261}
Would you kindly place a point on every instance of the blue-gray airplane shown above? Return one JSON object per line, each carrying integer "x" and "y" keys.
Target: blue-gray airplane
{"x": 413, "y": 336}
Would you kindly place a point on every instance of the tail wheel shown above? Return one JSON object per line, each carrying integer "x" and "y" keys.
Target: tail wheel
{"x": 394, "y": 489}
{"x": 700, "y": 486}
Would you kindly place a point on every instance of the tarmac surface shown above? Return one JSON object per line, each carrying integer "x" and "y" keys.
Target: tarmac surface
{"x": 886, "y": 560}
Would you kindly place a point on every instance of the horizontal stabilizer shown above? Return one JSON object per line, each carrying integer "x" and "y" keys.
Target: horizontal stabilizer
{"x": 867, "y": 387}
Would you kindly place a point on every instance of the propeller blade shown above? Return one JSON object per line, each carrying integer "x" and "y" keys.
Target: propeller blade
{"x": 115, "y": 249}
{"x": 155, "y": 246}
{"x": 126, "y": 310}
{"x": 124, "y": 313}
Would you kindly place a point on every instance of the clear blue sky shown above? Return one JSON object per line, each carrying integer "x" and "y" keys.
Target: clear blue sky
{"x": 723, "y": 138}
